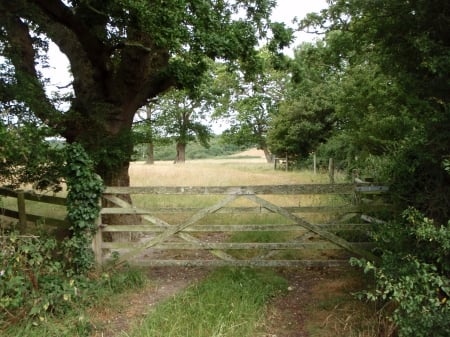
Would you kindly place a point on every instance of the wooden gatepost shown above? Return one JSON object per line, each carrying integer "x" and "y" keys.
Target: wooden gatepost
{"x": 309, "y": 225}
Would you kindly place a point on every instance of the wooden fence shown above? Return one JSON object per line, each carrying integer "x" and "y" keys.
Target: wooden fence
{"x": 23, "y": 214}
{"x": 314, "y": 224}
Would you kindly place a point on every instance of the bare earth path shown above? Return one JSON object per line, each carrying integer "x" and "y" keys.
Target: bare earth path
{"x": 285, "y": 316}
{"x": 165, "y": 282}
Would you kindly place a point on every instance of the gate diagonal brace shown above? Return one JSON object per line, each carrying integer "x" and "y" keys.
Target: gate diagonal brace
{"x": 313, "y": 228}
{"x": 175, "y": 229}
{"x": 122, "y": 203}
{"x": 185, "y": 236}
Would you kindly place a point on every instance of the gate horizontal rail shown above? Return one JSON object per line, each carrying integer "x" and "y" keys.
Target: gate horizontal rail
{"x": 254, "y": 189}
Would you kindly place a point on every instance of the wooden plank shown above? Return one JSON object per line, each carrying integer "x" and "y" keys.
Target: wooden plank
{"x": 240, "y": 263}
{"x": 7, "y": 192}
{"x": 97, "y": 241}
{"x": 255, "y": 189}
{"x": 120, "y": 210}
{"x": 175, "y": 229}
{"x": 324, "y": 234}
{"x": 10, "y": 213}
{"x": 48, "y": 199}
{"x": 238, "y": 210}
{"x": 35, "y": 218}
{"x": 203, "y": 228}
{"x": 345, "y": 226}
{"x": 371, "y": 189}
{"x": 236, "y": 228}
{"x": 245, "y": 210}
{"x": 32, "y": 196}
{"x": 237, "y": 245}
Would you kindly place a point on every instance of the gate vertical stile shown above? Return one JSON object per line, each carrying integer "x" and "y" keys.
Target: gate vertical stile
{"x": 97, "y": 240}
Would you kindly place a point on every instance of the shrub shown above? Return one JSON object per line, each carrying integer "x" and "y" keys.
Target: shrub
{"x": 413, "y": 275}
{"x": 32, "y": 280}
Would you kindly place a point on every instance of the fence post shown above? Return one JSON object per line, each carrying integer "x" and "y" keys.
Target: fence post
{"x": 22, "y": 211}
{"x": 315, "y": 162}
{"x": 331, "y": 170}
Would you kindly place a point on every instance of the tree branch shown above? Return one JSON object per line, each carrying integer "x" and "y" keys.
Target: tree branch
{"x": 55, "y": 11}
{"x": 22, "y": 54}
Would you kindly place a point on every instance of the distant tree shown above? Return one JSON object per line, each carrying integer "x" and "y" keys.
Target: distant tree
{"x": 182, "y": 117}
{"x": 252, "y": 104}
{"x": 307, "y": 114}
{"x": 145, "y": 131}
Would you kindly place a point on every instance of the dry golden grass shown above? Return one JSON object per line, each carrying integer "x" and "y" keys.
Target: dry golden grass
{"x": 244, "y": 169}
{"x": 228, "y": 172}
{"x": 334, "y": 311}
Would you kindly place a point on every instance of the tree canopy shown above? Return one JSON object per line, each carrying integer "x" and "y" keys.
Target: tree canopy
{"x": 121, "y": 54}
{"x": 306, "y": 114}
{"x": 392, "y": 60}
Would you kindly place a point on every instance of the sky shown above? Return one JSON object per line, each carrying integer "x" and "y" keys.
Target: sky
{"x": 285, "y": 11}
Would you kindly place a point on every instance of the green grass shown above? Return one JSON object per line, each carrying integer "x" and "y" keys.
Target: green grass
{"x": 229, "y": 303}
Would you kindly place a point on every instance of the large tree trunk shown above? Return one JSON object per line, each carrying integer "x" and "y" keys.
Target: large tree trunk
{"x": 120, "y": 177}
{"x": 111, "y": 150}
{"x": 181, "y": 153}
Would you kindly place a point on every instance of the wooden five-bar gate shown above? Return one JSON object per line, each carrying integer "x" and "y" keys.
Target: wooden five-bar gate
{"x": 309, "y": 225}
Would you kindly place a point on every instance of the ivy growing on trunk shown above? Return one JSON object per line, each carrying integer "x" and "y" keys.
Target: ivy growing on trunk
{"x": 85, "y": 188}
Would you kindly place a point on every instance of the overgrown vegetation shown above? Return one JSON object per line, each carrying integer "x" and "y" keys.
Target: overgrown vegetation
{"x": 41, "y": 277}
{"x": 412, "y": 281}
{"x": 229, "y": 303}
{"x": 38, "y": 288}
{"x": 84, "y": 191}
